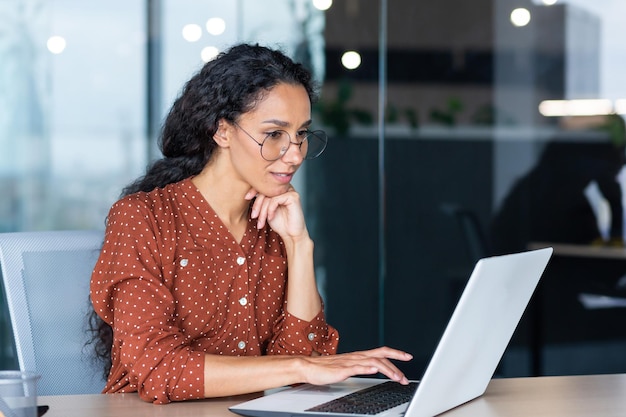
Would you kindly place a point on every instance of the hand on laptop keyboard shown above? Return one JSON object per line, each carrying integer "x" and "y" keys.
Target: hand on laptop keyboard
{"x": 334, "y": 368}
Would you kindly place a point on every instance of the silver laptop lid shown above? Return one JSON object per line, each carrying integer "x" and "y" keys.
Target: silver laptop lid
{"x": 479, "y": 331}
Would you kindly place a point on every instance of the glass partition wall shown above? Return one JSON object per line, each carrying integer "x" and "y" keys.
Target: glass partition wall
{"x": 457, "y": 130}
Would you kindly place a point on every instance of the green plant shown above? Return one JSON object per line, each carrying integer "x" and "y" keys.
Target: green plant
{"x": 448, "y": 115}
{"x": 337, "y": 114}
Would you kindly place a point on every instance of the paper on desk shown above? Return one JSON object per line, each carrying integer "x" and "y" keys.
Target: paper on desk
{"x": 597, "y": 301}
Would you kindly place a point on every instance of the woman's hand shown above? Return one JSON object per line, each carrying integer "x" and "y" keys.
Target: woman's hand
{"x": 232, "y": 375}
{"x": 320, "y": 370}
{"x": 283, "y": 213}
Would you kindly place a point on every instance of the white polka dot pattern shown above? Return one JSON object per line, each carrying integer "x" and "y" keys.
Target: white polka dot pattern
{"x": 174, "y": 284}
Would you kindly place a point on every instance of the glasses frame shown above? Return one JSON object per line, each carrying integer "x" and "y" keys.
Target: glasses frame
{"x": 320, "y": 134}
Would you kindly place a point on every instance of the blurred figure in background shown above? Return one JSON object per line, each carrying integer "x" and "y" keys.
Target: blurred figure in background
{"x": 554, "y": 201}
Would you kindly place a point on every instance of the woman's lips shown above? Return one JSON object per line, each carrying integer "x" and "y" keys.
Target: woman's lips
{"x": 282, "y": 177}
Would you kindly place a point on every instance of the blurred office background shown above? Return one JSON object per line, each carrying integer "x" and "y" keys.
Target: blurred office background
{"x": 457, "y": 130}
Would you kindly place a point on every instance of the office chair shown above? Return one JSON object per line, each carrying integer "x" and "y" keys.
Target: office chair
{"x": 476, "y": 247}
{"x": 46, "y": 281}
{"x": 476, "y": 242}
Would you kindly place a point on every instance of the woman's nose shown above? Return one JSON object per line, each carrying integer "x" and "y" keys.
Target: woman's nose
{"x": 293, "y": 155}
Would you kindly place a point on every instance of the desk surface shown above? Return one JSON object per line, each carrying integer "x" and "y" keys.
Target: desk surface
{"x": 571, "y": 396}
{"x": 582, "y": 251}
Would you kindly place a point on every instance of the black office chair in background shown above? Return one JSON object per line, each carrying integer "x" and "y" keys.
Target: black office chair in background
{"x": 473, "y": 235}
{"x": 476, "y": 245}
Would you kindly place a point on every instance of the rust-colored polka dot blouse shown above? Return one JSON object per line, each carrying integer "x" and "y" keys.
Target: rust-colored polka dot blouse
{"x": 174, "y": 284}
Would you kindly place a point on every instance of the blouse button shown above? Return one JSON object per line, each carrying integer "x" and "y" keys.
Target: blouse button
{"x": 243, "y": 301}
{"x": 241, "y": 260}
{"x": 241, "y": 345}
{"x": 311, "y": 336}
{"x": 184, "y": 262}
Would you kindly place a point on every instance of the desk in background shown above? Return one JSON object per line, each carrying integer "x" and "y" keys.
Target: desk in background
{"x": 591, "y": 301}
{"x": 582, "y": 251}
{"x": 566, "y": 396}
{"x": 592, "y": 290}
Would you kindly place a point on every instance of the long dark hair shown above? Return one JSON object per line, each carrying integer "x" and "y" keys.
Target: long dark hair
{"x": 224, "y": 88}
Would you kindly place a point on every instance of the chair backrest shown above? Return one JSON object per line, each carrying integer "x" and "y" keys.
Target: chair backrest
{"x": 475, "y": 239}
{"x": 46, "y": 281}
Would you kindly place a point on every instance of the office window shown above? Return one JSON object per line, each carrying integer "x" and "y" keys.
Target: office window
{"x": 72, "y": 127}
{"x": 85, "y": 86}
{"x": 463, "y": 128}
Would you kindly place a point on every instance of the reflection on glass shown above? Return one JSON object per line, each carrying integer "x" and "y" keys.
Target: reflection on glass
{"x": 56, "y": 44}
{"x": 520, "y": 17}
{"x": 71, "y": 129}
{"x": 192, "y": 32}
{"x": 322, "y": 4}
{"x": 351, "y": 60}
{"x": 216, "y": 26}
{"x": 208, "y": 53}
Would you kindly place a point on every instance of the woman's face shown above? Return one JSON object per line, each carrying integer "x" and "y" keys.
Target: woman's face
{"x": 285, "y": 107}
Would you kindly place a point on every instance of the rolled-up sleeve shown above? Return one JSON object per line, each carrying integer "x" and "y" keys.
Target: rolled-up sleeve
{"x": 293, "y": 336}
{"x": 150, "y": 353}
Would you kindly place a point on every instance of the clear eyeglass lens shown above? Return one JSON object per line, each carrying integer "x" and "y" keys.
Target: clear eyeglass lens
{"x": 276, "y": 144}
{"x": 316, "y": 143}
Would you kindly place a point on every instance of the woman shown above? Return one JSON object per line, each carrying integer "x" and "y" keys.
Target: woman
{"x": 206, "y": 273}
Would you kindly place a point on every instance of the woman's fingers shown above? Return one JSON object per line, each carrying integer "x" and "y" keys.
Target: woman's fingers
{"x": 336, "y": 368}
{"x": 264, "y": 210}
{"x": 260, "y": 209}
{"x": 283, "y": 211}
{"x": 250, "y": 194}
{"x": 392, "y": 372}
{"x": 390, "y": 353}
{"x": 387, "y": 368}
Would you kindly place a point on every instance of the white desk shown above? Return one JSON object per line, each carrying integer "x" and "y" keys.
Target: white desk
{"x": 568, "y": 396}
{"x": 572, "y": 396}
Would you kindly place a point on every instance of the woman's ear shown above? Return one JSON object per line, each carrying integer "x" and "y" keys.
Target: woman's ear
{"x": 222, "y": 134}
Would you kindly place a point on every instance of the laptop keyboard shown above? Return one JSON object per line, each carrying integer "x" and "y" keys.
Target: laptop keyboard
{"x": 371, "y": 400}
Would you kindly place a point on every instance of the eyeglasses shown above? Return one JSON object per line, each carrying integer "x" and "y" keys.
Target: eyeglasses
{"x": 277, "y": 142}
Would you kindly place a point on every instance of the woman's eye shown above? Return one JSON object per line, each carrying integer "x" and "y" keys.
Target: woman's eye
{"x": 302, "y": 134}
{"x": 277, "y": 134}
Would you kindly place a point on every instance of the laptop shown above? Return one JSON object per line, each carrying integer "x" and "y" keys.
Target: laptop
{"x": 464, "y": 361}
